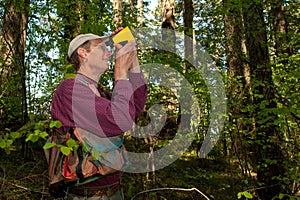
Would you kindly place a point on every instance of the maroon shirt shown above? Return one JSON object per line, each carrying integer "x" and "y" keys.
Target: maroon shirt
{"x": 111, "y": 114}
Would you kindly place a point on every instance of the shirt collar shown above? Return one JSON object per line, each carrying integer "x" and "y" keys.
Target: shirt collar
{"x": 86, "y": 78}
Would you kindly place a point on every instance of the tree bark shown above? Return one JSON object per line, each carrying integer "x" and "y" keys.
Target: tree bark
{"x": 117, "y": 6}
{"x": 268, "y": 156}
{"x": 168, "y": 24}
{"x": 188, "y": 14}
{"x": 238, "y": 80}
{"x": 71, "y": 19}
{"x": 13, "y": 106}
{"x": 280, "y": 27}
{"x": 140, "y": 15}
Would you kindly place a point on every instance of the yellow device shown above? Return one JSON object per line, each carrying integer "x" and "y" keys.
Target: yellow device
{"x": 123, "y": 36}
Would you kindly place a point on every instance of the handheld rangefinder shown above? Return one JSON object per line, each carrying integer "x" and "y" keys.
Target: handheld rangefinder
{"x": 122, "y": 37}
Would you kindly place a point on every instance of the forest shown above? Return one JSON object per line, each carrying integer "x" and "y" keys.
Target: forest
{"x": 223, "y": 94}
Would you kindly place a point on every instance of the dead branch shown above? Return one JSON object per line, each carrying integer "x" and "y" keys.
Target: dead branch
{"x": 25, "y": 188}
{"x": 177, "y": 189}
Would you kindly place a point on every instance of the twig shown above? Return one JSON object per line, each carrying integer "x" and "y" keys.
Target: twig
{"x": 261, "y": 188}
{"x": 27, "y": 189}
{"x": 178, "y": 189}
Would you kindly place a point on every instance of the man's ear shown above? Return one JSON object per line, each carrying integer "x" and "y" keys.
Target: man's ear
{"x": 82, "y": 52}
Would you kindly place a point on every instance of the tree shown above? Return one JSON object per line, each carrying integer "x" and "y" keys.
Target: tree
{"x": 117, "y": 7}
{"x": 254, "y": 44}
{"x": 168, "y": 23}
{"x": 188, "y": 22}
{"x": 280, "y": 26}
{"x": 140, "y": 15}
{"x": 13, "y": 105}
{"x": 71, "y": 25}
{"x": 83, "y": 16}
{"x": 238, "y": 84}
{"x": 267, "y": 149}
{"x": 71, "y": 19}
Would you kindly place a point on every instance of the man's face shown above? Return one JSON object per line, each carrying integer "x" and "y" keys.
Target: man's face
{"x": 98, "y": 55}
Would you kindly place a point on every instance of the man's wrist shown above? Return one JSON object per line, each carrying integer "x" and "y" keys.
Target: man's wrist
{"x": 120, "y": 73}
{"x": 135, "y": 70}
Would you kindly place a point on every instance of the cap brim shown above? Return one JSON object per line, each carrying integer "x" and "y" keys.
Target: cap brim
{"x": 82, "y": 38}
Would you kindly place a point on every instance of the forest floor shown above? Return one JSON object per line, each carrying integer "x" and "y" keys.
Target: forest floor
{"x": 185, "y": 179}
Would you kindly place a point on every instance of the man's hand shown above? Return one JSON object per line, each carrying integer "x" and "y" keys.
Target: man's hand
{"x": 135, "y": 67}
{"x": 125, "y": 57}
{"x": 116, "y": 31}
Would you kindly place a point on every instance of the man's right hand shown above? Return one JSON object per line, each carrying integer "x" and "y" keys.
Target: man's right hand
{"x": 125, "y": 55}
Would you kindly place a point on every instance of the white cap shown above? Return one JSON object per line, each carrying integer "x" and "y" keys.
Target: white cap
{"x": 80, "y": 39}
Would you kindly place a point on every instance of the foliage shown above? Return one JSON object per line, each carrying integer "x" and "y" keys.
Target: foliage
{"x": 32, "y": 132}
{"x": 245, "y": 194}
{"x": 46, "y": 47}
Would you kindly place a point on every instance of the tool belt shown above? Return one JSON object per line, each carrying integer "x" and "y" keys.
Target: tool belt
{"x": 95, "y": 191}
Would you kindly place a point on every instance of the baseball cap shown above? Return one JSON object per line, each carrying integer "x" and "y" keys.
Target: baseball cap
{"x": 80, "y": 39}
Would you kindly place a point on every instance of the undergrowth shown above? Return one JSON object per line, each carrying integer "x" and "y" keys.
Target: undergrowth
{"x": 26, "y": 177}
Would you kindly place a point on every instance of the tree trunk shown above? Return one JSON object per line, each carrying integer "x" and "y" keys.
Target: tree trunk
{"x": 168, "y": 24}
{"x": 240, "y": 124}
{"x": 71, "y": 19}
{"x": 268, "y": 156}
{"x": 117, "y": 6}
{"x": 188, "y": 14}
{"x": 13, "y": 106}
{"x": 280, "y": 27}
{"x": 140, "y": 15}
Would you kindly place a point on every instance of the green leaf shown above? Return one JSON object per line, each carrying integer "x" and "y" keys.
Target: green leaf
{"x": 9, "y": 142}
{"x": 239, "y": 195}
{"x": 247, "y": 195}
{"x": 71, "y": 143}
{"x": 15, "y": 135}
{"x": 65, "y": 150}
{"x": 32, "y": 137}
{"x": 49, "y": 145}
{"x": 43, "y": 134}
{"x": 2, "y": 144}
{"x": 56, "y": 124}
{"x": 281, "y": 196}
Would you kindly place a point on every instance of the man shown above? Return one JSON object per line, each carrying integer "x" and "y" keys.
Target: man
{"x": 79, "y": 102}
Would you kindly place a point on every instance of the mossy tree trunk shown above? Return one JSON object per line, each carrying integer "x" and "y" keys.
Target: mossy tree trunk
{"x": 267, "y": 150}
{"x": 13, "y": 105}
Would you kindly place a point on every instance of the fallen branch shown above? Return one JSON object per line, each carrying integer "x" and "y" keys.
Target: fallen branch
{"x": 24, "y": 188}
{"x": 27, "y": 189}
{"x": 177, "y": 189}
